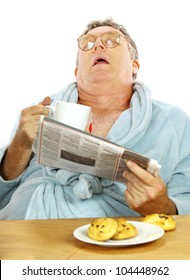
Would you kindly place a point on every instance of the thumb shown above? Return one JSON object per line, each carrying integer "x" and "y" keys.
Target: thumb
{"x": 46, "y": 101}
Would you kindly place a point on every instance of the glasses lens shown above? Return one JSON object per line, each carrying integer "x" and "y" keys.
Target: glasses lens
{"x": 86, "y": 42}
{"x": 111, "y": 39}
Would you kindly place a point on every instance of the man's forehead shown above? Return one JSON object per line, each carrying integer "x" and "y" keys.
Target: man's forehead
{"x": 102, "y": 29}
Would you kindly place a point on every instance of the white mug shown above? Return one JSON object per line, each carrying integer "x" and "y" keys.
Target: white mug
{"x": 72, "y": 114}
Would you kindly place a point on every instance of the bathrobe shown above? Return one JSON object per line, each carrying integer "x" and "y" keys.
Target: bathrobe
{"x": 155, "y": 129}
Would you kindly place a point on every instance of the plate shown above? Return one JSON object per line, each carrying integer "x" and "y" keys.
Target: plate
{"x": 146, "y": 233}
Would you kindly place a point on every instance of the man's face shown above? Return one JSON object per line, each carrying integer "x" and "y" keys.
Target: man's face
{"x": 103, "y": 64}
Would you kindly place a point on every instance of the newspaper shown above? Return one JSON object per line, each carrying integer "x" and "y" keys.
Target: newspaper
{"x": 61, "y": 146}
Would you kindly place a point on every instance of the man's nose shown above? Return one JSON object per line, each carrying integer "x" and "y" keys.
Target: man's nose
{"x": 99, "y": 44}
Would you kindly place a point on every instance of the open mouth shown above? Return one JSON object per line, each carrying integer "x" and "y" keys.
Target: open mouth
{"x": 100, "y": 60}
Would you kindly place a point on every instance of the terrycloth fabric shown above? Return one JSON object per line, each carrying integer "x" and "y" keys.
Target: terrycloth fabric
{"x": 155, "y": 129}
{"x": 83, "y": 185}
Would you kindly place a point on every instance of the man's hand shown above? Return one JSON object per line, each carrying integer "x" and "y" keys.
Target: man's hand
{"x": 146, "y": 193}
{"x": 19, "y": 151}
{"x": 29, "y": 122}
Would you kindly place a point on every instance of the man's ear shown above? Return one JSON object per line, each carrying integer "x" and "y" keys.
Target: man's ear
{"x": 136, "y": 66}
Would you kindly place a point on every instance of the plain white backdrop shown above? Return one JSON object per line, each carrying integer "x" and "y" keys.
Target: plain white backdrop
{"x": 39, "y": 44}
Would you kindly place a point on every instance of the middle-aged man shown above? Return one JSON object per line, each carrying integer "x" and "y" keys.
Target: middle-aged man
{"x": 122, "y": 112}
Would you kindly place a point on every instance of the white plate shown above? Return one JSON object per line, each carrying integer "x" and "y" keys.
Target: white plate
{"x": 146, "y": 233}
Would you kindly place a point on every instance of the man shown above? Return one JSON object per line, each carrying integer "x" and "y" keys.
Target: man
{"x": 122, "y": 112}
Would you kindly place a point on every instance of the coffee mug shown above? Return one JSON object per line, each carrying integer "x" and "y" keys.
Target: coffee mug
{"x": 72, "y": 114}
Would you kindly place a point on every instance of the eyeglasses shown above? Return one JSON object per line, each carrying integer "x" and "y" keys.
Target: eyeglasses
{"x": 110, "y": 40}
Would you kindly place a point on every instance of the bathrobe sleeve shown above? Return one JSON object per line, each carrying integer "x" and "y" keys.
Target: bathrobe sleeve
{"x": 7, "y": 187}
{"x": 179, "y": 184}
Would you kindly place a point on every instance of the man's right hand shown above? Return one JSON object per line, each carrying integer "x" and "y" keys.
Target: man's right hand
{"x": 19, "y": 152}
{"x": 29, "y": 122}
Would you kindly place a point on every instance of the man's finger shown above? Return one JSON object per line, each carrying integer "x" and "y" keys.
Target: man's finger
{"x": 46, "y": 101}
{"x": 142, "y": 174}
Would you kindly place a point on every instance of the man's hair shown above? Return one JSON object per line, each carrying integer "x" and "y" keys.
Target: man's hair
{"x": 109, "y": 22}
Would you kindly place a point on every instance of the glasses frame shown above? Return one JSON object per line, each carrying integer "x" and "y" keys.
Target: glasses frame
{"x": 95, "y": 39}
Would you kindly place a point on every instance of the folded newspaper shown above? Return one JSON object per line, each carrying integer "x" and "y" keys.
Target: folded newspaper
{"x": 61, "y": 146}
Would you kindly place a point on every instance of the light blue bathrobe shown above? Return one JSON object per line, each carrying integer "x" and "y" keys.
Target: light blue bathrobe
{"x": 152, "y": 128}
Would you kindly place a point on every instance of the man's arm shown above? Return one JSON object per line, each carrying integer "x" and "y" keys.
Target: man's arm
{"x": 19, "y": 152}
{"x": 145, "y": 193}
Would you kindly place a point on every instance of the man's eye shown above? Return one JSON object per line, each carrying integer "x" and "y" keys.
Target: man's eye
{"x": 90, "y": 45}
{"x": 109, "y": 42}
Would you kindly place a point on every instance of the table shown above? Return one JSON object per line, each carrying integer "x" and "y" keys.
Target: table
{"x": 54, "y": 240}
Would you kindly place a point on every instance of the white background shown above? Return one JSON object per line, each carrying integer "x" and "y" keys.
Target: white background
{"x": 38, "y": 45}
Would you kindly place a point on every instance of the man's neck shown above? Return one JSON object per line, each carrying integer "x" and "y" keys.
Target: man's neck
{"x": 106, "y": 100}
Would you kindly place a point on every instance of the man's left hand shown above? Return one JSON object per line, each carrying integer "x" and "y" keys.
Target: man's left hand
{"x": 145, "y": 193}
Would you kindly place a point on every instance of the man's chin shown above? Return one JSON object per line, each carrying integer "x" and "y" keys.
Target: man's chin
{"x": 100, "y": 76}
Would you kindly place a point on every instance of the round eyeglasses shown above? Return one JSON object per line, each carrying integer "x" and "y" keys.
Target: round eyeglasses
{"x": 110, "y": 40}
